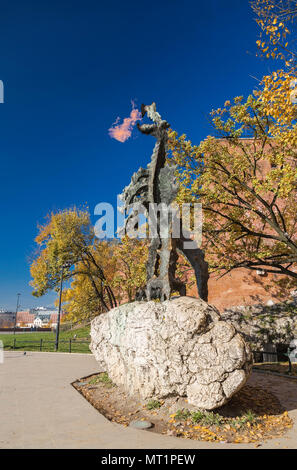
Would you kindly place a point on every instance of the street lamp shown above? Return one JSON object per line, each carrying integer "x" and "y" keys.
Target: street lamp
{"x": 60, "y": 303}
{"x": 16, "y": 312}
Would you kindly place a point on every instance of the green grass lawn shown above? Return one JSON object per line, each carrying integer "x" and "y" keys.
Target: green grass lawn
{"x": 24, "y": 341}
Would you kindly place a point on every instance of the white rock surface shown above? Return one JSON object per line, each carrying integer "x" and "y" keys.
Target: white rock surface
{"x": 178, "y": 347}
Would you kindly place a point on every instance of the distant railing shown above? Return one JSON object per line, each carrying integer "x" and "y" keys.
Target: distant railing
{"x": 72, "y": 343}
{"x": 260, "y": 354}
{"x": 273, "y": 353}
{"x": 24, "y": 329}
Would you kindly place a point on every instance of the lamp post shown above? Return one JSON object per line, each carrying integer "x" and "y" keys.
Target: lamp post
{"x": 16, "y": 312}
{"x": 59, "y": 311}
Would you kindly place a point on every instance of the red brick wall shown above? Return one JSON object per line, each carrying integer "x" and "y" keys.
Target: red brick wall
{"x": 239, "y": 287}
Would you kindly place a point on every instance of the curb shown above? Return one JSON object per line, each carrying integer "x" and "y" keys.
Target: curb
{"x": 48, "y": 352}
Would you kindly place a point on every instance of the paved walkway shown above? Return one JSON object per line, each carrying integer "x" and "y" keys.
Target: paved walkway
{"x": 40, "y": 409}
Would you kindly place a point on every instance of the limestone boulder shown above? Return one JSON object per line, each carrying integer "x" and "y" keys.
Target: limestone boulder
{"x": 178, "y": 347}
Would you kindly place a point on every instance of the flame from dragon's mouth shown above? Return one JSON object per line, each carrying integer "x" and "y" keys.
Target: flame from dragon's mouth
{"x": 122, "y": 132}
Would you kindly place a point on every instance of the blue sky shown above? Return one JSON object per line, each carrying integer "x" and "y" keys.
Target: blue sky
{"x": 70, "y": 68}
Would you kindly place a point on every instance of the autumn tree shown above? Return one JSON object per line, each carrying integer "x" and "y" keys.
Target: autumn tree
{"x": 123, "y": 262}
{"x": 67, "y": 240}
{"x": 246, "y": 179}
{"x": 245, "y": 175}
{"x": 80, "y": 300}
{"x": 129, "y": 257}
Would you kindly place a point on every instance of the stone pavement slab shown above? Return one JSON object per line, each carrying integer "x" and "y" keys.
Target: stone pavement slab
{"x": 39, "y": 408}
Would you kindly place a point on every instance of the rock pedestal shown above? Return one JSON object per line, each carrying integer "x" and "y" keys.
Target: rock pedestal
{"x": 178, "y": 347}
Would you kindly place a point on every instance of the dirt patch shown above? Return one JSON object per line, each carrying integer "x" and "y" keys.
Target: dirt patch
{"x": 252, "y": 415}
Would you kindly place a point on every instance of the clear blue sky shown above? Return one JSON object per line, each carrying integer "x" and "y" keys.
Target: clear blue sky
{"x": 69, "y": 68}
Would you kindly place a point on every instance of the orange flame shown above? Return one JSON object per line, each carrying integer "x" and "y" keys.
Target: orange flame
{"x": 123, "y": 131}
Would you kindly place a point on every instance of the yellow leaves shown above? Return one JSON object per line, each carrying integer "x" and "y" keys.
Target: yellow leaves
{"x": 273, "y": 24}
{"x": 276, "y": 100}
{"x": 130, "y": 258}
{"x": 238, "y": 99}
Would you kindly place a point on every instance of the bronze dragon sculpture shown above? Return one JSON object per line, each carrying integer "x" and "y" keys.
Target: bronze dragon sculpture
{"x": 157, "y": 185}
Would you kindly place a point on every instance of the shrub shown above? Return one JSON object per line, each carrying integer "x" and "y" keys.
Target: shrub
{"x": 153, "y": 405}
